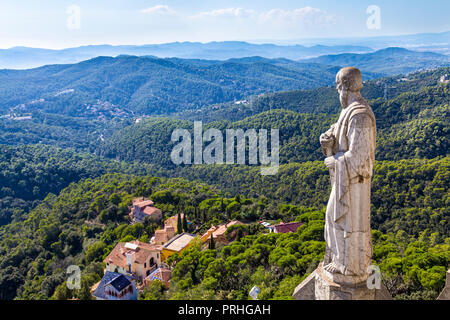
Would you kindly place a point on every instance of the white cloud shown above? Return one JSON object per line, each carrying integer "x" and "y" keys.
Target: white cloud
{"x": 242, "y": 23}
{"x": 158, "y": 9}
{"x": 300, "y": 16}
{"x": 306, "y": 15}
{"x": 226, "y": 12}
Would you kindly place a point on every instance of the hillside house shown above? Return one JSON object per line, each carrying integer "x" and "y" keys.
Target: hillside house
{"x": 142, "y": 208}
{"x": 162, "y": 274}
{"x": 218, "y": 232}
{"x": 173, "y": 221}
{"x": 176, "y": 245}
{"x": 164, "y": 235}
{"x": 286, "y": 227}
{"x": 135, "y": 257}
{"x": 115, "y": 286}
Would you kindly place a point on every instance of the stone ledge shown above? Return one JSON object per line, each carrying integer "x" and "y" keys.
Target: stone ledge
{"x": 445, "y": 294}
{"x": 318, "y": 286}
{"x": 306, "y": 289}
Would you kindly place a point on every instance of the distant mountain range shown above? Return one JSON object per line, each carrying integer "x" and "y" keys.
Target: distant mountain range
{"x": 129, "y": 85}
{"x": 387, "y": 61}
{"x": 24, "y": 57}
{"x": 435, "y": 42}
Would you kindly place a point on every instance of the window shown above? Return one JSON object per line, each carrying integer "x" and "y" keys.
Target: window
{"x": 145, "y": 265}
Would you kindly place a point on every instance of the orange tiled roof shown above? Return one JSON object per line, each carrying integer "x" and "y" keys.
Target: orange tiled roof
{"x": 118, "y": 256}
{"x": 150, "y": 210}
{"x": 141, "y": 202}
{"x": 223, "y": 228}
{"x": 162, "y": 274}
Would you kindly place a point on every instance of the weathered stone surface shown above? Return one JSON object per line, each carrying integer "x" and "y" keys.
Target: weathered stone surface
{"x": 445, "y": 294}
{"x": 327, "y": 289}
{"x": 382, "y": 294}
{"x": 306, "y": 289}
{"x": 349, "y": 147}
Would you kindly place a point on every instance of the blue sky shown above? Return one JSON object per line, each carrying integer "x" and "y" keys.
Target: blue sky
{"x": 55, "y": 23}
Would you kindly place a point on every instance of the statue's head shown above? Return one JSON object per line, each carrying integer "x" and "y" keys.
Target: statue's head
{"x": 348, "y": 80}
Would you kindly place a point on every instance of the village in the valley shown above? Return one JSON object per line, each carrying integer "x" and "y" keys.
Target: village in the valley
{"x": 131, "y": 266}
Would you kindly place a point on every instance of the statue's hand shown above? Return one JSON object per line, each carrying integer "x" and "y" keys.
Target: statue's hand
{"x": 327, "y": 140}
{"x": 329, "y": 162}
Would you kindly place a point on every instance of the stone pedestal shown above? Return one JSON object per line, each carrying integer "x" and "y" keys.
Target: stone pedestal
{"x": 322, "y": 285}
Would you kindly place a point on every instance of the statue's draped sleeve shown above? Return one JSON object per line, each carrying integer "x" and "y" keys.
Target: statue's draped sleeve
{"x": 360, "y": 155}
{"x": 356, "y": 162}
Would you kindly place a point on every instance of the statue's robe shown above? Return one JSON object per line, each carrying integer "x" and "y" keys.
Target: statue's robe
{"x": 347, "y": 225}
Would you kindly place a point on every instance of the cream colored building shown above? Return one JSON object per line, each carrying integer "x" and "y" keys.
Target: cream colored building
{"x": 135, "y": 257}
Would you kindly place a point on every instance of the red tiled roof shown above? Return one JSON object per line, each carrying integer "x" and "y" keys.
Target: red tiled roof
{"x": 287, "y": 227}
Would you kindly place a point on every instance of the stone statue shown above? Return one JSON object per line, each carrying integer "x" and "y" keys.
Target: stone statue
{"x": 349, "y": 146}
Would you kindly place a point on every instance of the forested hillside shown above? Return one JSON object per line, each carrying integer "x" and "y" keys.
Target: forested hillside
{"x": 64, "y": 200}
{"x": 56, "y": 130}
{"x": 83, "y": 224}
{"x": 105, "y": 87}
{"x": 387, "y": 61}
{"x": 149, "y": 85}
{"x": 30, "y": 172}
{"x": 410, "y": 195}
{"x": 414, "y": 124}
{"x": 319, "y": 100}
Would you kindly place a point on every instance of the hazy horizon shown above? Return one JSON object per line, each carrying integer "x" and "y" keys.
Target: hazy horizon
{"x": 278, "y": 42}
{"x": 67, "y": 24}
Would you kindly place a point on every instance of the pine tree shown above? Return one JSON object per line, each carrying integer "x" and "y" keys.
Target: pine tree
{"x": 239, "y": 234}
{"x": 222, "y": 206}
{"x": 84, "y": 293}
{"x": 204, "y": 216}
{"x": 185, "y": 225}
{"x": 179, "y": 225}
{"x": 212, "y": 244}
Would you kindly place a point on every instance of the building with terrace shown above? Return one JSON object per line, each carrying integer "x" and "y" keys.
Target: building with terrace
{"x": 134, "y": 258}
{"x": 176, "y": 245}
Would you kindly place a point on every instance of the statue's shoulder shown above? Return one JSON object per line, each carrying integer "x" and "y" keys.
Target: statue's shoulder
{"x": 361, "y": 111}
{"x": 361, "y": 116}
